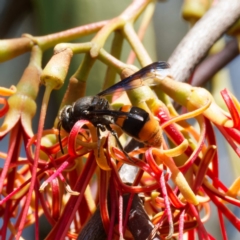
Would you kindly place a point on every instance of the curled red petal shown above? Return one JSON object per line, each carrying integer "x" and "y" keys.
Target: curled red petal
{"x": 73, "y": 135}
{"x": 55, "y": 199}
{"x": 5, "y": 107}
{"x": 151, "y": 161}
{"x": 231, "y": 107}
{"x": 226, "y": 132}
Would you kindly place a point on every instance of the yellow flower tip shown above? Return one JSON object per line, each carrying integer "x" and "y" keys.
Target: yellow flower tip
{"x": 194, "y": 201}
{"x": 70, "y": 191}
{"x": 100, "y": 156}
{"x": 154, "y": 194}
{"x": 234, "y": 189}
{"x": 50, "y": 138}
{"x": 8, "y": 91}
{"x": 42, "y": 187}
{"x": 4, "y": 129}
{"x": 194, "y": 10}
{"x": 178, "y": 178}
{"x": 180, "y": 149}
{"x": 56, "y": 69}
{"x": 184, "y": 187}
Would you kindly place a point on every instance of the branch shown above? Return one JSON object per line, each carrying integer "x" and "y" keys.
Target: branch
{"x": 94, "y": 229}
{"x": 139, "y": 223}
{"x": 201, "y": 37}
{"x": 214, "y": 63}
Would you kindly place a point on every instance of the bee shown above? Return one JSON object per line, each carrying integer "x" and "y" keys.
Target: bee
{"x": 134, "y": 121}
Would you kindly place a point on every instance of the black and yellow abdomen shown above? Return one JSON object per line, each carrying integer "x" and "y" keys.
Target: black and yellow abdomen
{"x": 146, "y": 130}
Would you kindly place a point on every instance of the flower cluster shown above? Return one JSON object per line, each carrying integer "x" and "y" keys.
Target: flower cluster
{"x": 82, "y": 181}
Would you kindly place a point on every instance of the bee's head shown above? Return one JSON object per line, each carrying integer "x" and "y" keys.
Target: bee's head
{"x": 65, "y": 118}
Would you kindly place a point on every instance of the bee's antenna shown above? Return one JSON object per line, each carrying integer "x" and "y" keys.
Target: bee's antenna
{"x": 59, "y": 136}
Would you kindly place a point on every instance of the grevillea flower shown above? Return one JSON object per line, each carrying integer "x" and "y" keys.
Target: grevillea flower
{"x": 86, "y": 186}
{"x": 176, "y": 184}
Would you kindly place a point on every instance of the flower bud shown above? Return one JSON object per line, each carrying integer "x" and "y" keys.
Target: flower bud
{"x": 56, "y": 69}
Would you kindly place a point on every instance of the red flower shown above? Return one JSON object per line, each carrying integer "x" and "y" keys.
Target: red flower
{"x": 19, "y": 110}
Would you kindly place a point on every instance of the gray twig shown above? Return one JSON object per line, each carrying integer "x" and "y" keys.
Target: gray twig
{"x": 202, "y": 36}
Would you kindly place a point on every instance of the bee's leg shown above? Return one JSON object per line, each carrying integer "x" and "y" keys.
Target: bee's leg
{"x": 118, "y": 142}
{"x": 102, "y": 128}
{"x": 98, "y": 141}
{"x": 59, "y": 137}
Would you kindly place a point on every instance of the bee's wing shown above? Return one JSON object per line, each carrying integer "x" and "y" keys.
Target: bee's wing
{"x": 144, "y": 76}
